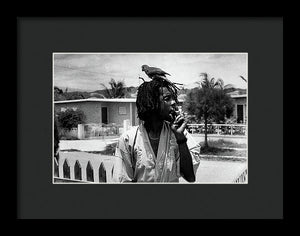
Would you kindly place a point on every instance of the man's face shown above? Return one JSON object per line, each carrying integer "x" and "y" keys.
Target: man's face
{"x": 167, "y": 104}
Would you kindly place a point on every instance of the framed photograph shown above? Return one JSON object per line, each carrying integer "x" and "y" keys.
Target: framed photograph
{"x": 117, "y": 116}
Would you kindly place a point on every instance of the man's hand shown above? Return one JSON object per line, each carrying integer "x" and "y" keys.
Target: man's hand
{"x": 178, "y": 126}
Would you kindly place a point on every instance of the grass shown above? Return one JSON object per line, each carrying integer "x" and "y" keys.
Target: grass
{"x": 223, "y": 148}
{"x": 109, "y": 150}
{"x": 222, "y": 158}
{"x": 222, "y": 151}
{"x": 70, "y": 150}
{"x": 221, "y": 143}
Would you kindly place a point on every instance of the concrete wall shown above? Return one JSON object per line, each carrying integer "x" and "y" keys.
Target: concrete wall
{"x": 113, "y": 110}
{"x": 240, "y": 101}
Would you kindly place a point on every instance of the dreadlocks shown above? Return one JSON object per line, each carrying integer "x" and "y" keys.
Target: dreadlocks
{"x": 148, "y": 96}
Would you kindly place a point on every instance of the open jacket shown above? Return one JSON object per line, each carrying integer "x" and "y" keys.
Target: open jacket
{"x": 135, "y": 160}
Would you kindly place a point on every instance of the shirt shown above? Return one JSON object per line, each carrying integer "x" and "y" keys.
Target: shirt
{"x": 138, "y": 163}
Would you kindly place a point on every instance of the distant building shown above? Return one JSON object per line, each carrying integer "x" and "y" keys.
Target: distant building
{"x": 116, "y": 110}
{"x": 103, "y": 110}
{"x": 240, "y": 112}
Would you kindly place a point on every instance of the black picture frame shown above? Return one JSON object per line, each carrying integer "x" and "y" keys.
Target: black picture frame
{"x": 260, "y": 37}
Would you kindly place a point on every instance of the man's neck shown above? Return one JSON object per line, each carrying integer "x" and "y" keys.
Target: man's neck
{"x": 154, "y": 126}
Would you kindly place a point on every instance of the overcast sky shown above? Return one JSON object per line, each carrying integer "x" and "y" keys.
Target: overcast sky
{"x": 86, "y": 71}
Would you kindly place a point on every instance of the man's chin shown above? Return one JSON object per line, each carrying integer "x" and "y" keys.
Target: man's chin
{"x": 169, "y": 118}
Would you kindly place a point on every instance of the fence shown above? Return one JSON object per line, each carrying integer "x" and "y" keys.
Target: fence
{"x": 68, "y": 134}
{"x": 93, "y": 130}
{"x": 96, "y": 130}
{"x": 82, "y": 167}
{"x": 242, "y": 178}
{"x": 218, "y": 129}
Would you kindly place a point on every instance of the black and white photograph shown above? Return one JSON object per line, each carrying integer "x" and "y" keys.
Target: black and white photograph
{"x": 150, "y": 118}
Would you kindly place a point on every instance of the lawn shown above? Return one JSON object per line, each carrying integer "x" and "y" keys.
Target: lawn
{"x": 224, "y": 148}
{"x": 221, "y": 143}
{"x": 109, "y": 150}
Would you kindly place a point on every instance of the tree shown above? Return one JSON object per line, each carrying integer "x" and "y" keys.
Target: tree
{"x": 75, "y": 95}
{"x": 209, "y": 102}
{"x": 69, "y": 118}
{"x": 58, "y": 94}
{"x": 117, "y": 89}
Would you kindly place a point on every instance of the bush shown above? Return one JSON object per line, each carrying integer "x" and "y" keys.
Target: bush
{"x": 69, "y": 118}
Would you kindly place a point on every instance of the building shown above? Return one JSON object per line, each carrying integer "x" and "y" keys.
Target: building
{"x": 116, "y": 110}
{"x": 102, "y": 110}
{"x": 240, "y": 112}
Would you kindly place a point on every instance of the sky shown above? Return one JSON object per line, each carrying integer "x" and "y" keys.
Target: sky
{"x": 86, "y": 71}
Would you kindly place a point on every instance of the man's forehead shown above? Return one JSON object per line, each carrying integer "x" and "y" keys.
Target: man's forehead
{"x": 164, "y": 91}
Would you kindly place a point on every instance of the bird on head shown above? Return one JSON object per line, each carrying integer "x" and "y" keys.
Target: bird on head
{"x": 153, "y": 71}
{"x": 156, "y": 73}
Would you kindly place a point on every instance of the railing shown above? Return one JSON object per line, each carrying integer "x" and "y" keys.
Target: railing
{"x": 68, "y": 134}
{"x": 242, "y": 178}
{"x": 97, "y": 130}
{"x": 87, "y": 169}
{"x": 218, "y": 129}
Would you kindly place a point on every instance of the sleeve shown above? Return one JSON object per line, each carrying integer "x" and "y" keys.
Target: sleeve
{"x": 123, "y": 171}
{"x": 194, "y": 148}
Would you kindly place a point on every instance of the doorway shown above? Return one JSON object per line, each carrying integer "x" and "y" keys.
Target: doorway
{"x": 104, "y": 115}
{"x": 240, "y": 114}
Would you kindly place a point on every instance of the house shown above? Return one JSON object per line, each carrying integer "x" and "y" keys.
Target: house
{"x": 240, "y": 112}
{"x": 102, "y": 110}
{"x": 116, "y": 110}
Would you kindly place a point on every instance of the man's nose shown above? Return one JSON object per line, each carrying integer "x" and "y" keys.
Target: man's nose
{"x": 173, "y": 103}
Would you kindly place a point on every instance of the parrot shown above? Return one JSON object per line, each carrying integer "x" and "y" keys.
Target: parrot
{"x": 153, "y": 71}
{"x": 156, "y": 73}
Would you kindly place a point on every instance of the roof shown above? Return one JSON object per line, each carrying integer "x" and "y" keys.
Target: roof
{"x": 238, "y": 95}
{"x": 101, "y": 100}
{"x": 98, "y": 100}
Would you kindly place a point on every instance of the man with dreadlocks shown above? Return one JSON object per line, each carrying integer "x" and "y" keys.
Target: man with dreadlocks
{"x": 159, "y": 149}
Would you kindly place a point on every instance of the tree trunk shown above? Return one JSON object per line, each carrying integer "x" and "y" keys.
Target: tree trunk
{"x": 205, "y": 132}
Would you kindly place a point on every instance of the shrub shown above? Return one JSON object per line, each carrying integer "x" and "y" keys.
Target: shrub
{"x": 69, "y": 118}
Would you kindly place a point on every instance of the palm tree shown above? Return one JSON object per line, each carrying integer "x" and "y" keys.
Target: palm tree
{"x": 58, "y": 94}
{"x": 210, "y": 83}
{"x": 117, "y": 89}
{"x": 209, "y": 101}
{"x": 243, "y": 78}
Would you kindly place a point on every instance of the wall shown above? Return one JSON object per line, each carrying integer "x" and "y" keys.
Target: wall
{"x": 240, "y": 101}
{"x": 113, "y": 112}
{"x": 92, "y": 110}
